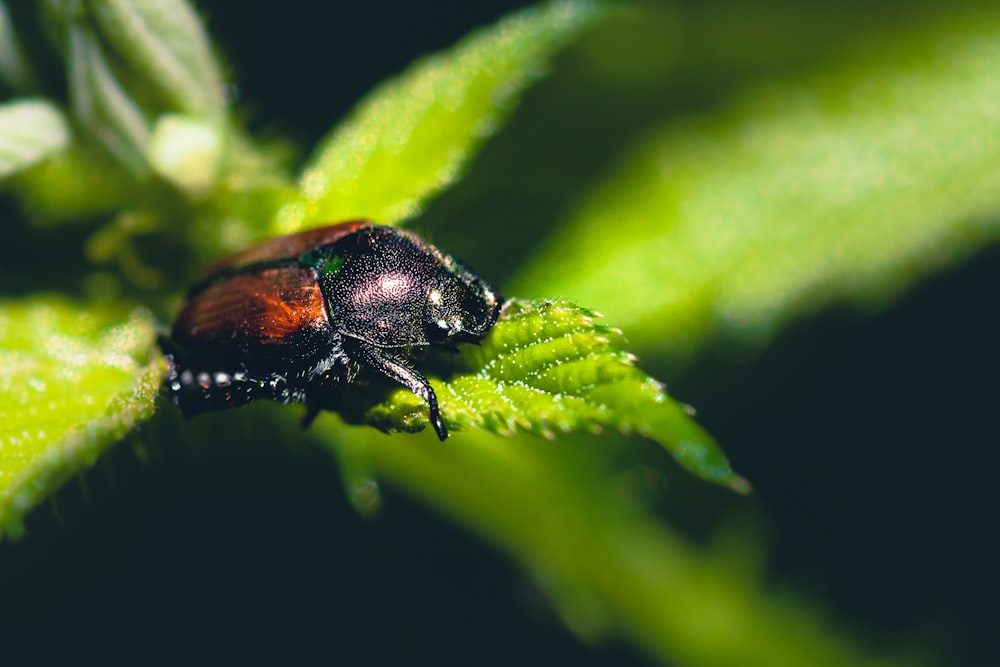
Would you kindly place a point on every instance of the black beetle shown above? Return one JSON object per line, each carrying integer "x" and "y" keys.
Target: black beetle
{"x": 295, "y": 318}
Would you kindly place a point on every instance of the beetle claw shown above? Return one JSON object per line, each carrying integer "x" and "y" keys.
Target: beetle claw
{"x": 436, "y": 421}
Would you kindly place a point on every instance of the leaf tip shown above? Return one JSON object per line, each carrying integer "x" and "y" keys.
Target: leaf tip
{"x": 740, "y": 485}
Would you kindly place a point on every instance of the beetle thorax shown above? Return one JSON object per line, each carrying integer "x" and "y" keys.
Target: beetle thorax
{"x": 379, "y": 293}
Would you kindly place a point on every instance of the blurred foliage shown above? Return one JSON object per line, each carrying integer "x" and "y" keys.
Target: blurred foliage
{"x": 63, "y": 367}
{"x": 410, "y": 138}
{"x": 848, "y": 184}
{"x": 703, "y": 173}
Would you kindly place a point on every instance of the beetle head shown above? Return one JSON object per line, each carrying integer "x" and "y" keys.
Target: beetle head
{"x": 461, "y": 307}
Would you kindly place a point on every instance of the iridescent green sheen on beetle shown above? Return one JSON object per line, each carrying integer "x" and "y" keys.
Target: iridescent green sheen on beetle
{"x": 296, "y": 318}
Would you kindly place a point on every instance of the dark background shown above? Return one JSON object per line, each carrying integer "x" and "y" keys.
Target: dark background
{"x": 870, "y": 438}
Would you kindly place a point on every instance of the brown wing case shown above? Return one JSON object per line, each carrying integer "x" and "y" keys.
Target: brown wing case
{"x": 263, "y": 306}
{"x": 287, "y": 247}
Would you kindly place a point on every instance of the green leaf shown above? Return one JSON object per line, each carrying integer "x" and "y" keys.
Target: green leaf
{"x": 846, "y": 186}
{"x": 164, "y": 44}
{"x": 607, "y": 566}
{"x": 186, "y": 151}
{"x": 552, "y": 366}
{"x": 410, "y": 137}
{"x": 130, "y": 62}
{"x": 103, "y": 105}
{"x": 72, "y": 382}
{"x": 30, "y": 131}
{"x": 14, "y": 68}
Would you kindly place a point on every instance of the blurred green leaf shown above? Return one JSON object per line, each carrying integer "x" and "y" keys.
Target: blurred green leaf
{"x": 129, "y": 63}
{"x": 30, "y": 131}
{"x": 186, "y": 151}
{"x": 14, "y": 68}
{"x": 73, "y": 187}
{"x": 72, "y": 382}
{"x": 848, "y": 186}
{"x": 163, "y": 43}
{"x": 550, "y": 366}
{"x": 607, "y": 566}
{"x": 410, "y": 137}
{"x": 103, "y": 105}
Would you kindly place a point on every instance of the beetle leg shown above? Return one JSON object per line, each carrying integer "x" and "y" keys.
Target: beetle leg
{"x": 312, "y": 411}
{"x": 396, "y": 369}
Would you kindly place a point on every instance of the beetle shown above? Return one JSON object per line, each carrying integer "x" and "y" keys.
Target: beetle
{"x": 296, "y": 318}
